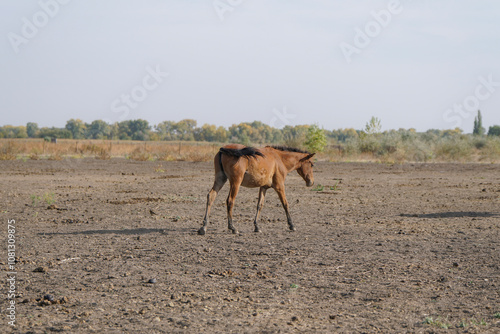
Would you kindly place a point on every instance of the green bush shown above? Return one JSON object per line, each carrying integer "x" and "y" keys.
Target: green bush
{"x": 315, "y": 139}
{"x": 454, "y": 148}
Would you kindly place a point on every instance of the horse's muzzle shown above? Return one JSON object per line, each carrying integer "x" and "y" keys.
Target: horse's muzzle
{"x": 309, "y": 183}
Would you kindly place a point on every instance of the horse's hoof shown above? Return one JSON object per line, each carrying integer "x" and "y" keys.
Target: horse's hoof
{"x": 201, "y": 231}
{"x": 234, "y": 231}
{"x": 257, "y": 230}
{"x": 292, "y": 229}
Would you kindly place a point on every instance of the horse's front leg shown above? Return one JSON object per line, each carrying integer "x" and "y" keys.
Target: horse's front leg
{"x": 284, "y": 202}
{"x": 233, "y": 191}
{"x": 260, "y": 204}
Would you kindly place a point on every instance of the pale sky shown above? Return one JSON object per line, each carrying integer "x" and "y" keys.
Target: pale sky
{"x": 413, "y": 64}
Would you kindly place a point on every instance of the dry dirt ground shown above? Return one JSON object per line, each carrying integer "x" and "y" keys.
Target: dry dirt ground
{"x": 111, "y": 247}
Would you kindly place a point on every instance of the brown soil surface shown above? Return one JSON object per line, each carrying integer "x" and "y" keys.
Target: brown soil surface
{"x": 410, "y": 248}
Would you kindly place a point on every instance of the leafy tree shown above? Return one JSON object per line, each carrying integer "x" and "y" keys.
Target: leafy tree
{"x": 114, "y": 131}
{"x": 9, "y": 131}
{"x": 342, "y": 135}
{"x": 76, "y": 127}
{"x": 32, "y": 129}
{"x": 134, "y": 130}
{"x": 139, "y": 129}
{"x": 221, "y": 135}
{"x": 185, "y": 129}
{"x": 98, "y": 130}
{"x": 315, "y": 139}
{"x": 166, "y": 130}
{"x": 124, "y": 132}
{"x": 294, "y": 136}
{"x": 54, "y": 133}
{"x": 206, "y": 133}
{"x": 494, "y": 130}
{"x": 240, "y": 133}
{"x": 374, "y": 126}
{"x": 478, "y": 125}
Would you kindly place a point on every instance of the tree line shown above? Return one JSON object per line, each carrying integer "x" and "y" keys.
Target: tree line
{"x": 187, "y": 130}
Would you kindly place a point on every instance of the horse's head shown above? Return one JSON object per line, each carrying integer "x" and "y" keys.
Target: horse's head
{"x": 305, "y": 169}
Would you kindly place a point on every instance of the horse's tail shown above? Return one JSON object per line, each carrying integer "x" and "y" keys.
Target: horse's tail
{"x": 243, "y": 152}
{"x": 218, "y": 158}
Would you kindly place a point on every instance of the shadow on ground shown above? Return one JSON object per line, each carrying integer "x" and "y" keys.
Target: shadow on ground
{"x": 136, "y": 231}
{"x": 453, "y": 215}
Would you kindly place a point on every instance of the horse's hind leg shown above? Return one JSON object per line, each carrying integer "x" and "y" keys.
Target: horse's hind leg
{"x": 233, "y": 191}
{"x": 260, "y": 204}
{"x": 220, "y": 180}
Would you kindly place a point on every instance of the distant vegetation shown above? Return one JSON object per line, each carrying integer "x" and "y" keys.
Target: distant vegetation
{"x": 369, "y": 143}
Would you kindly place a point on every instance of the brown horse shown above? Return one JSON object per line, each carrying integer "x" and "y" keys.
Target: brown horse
{"x": 264, "y": 168}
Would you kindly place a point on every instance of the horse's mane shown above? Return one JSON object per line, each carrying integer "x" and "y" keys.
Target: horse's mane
{"x": 288, "y": 149}
{"x": 243, "y": 152}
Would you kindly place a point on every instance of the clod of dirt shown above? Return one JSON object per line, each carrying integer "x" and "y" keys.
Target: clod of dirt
{"x": 50, "y": 298}
{"x": 45, "y": 303}
{"x": 41, "y": 270}
{"x": 221, "y": 273}
{"x": 52, "y": 207}
{"x": 152, "y": 281}
{"x": 47, "y": 300}
{"x": 73, "y": 221}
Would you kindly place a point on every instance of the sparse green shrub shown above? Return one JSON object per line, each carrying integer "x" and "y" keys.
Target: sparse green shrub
{"x": 438, "y": 322}
{"x": 49, "y": 198}
{"x": 369, "y": 144}
{"x": 479, "y": 142}
{"x": 34, "y": 200}
{"x": 454, "y": 148}
{"x": 315, "y": 139}
{"x": 319, "y": 187}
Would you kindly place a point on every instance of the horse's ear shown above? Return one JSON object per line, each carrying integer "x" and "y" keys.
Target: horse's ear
{"x": 309, "y": 156}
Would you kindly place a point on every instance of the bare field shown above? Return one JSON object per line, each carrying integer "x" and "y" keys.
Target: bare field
{"x": 112, "y": 246}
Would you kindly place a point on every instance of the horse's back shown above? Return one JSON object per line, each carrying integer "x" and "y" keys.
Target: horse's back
{"x": 252, "y": 167}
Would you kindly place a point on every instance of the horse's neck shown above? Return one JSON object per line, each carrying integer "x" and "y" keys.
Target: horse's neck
{"x": 290, "y": 160}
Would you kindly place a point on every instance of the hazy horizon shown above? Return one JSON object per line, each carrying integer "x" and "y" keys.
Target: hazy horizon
{"x": 423, "y": 65}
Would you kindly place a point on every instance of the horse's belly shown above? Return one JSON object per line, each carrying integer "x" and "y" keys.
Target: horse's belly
{"x": 251, "y": 180}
